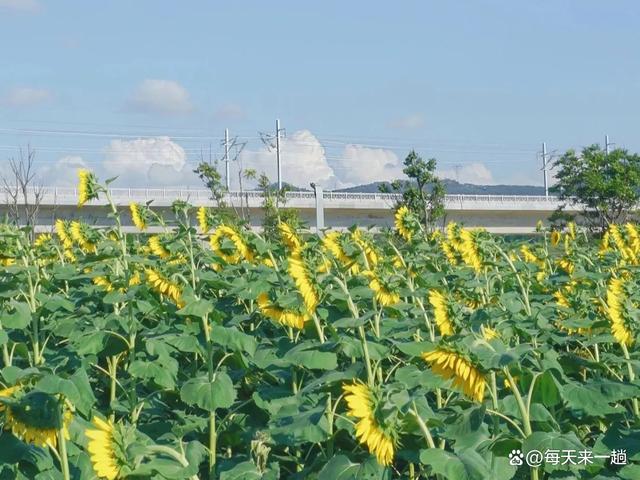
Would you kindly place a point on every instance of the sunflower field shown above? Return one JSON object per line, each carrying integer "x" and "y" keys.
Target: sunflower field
{"x": 206, "y": 350}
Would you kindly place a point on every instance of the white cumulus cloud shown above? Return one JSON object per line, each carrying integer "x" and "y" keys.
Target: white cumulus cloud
{"x": 360, "y": 165}
{"x": 148, "y": 161}
{"x": 303, "y": 160}
{"x": 26, "y": 96}
{"x": 164, "y": 97}
{"x": 476, "y": 173}
{"x": 63, "y": 172}
{"x": 29, "y": 6}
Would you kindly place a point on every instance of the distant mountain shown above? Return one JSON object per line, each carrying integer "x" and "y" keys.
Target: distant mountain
{"x": 454, "y": 188}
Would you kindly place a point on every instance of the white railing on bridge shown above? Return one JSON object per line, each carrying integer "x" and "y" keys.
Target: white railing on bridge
{"x": 144, "y": 194}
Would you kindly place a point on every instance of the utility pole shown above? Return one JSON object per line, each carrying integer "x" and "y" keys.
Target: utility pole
{"x": 319, "y": 208}
{"x": 606, "y": 144}
{"x": 226, "y": 157}
{"x": 278, "y": 154}
{"x": 544, "y": 168}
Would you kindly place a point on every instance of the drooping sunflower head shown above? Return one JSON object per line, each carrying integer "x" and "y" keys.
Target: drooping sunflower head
{"x": 203, "y": 219}
{"x": 566, "y": 265}
{"x": 615, "y": 301}
{"x": 164, "y": 286}
{"x": 34, "y": 417}
{"x": 468, "y": 248}
{"x": 157, "y": 248}
{"x": 332, "y": 244}
{"x": 405, "y": 223}
{"x": 138, "y": 216}
{"x": 452, "y": 365}
{"x": 107, "y": 447}
{"x": 87, "y": 187}
{"x": 229, "y": 245}
{"x": 63, "y": 233}
{"x": 441, "y": 312}
{"x": 289, "y": 236}
{"x": 42, "y": 240}
{"x": 283, "y": 316}
{"x": 384, "y": 293}
{"x": 301, "y": 276}
{"x": 372, "y": 427}
{"x": 81, "y": 234}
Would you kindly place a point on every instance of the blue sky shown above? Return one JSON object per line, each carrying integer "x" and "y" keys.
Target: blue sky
{"x": 140, "y": 88}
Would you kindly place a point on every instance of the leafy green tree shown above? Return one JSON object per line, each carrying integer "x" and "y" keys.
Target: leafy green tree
{"x": 273, "y": 204}
{"x": 606, "y": 186}
{"x": 423, "y": 194}
{"x": 210, "y": 176}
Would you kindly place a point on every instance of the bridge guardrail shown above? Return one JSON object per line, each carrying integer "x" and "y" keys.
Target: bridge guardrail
{"x": 144, "y": 194}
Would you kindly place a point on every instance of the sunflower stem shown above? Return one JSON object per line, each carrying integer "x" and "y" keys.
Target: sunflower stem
{"x": 526, "y": 423}
{"x": 64, "y": 461}
{"x": 423, "y": 427}
{"x": 212, "y": 415}
{"x": 525, "y": 293}
{"x": 367, "y": 358}
{"x": 632, "y": 377}
{"x": 316, "y": 322}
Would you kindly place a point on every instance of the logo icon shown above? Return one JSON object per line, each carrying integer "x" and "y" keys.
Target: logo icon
{"x": 515, "y": 457}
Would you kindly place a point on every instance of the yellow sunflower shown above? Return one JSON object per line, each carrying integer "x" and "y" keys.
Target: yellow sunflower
{"x": 451, "y": 365}
{"x": 361, "y": 402}
{"x": 301, "y": 277}
{"x": 76, "y": 230}
{"x": 566, "y": 265}
{"x": 331, "y": 244}
{"x": 289, "y": 236}
{"x": 284, "y": 317}
{"x": 401, "y": 217}
{"x": 156, "y": 247}
{"x": 489, "y": 333}
{"x": 449, "y": 252}
{"x": 137, "y": 217}
{"x": 84, "y": 187}
{"x": 102, "y": 448}
{"x": 441, "y": 312}
{"x": 164, "y": 286}
{"x": 203, "y": 219}
{"x": 527, "y": 255}
{"x": 468, "y": 249}
{"x": 35, "y": 417}
{"x": 42, "y": 240}
{"x": 242, "y": 250}
{"x": 63, "y": 234}
{"x": 555, "y": 237}
{"x": 615, "y": 308}
{"x": 103, "y": 282}
{"x": 383, "y": 295}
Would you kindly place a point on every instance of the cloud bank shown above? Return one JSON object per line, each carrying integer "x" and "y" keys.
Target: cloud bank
{"x": 160, "y": 161}
{"x": 476, "y": 173}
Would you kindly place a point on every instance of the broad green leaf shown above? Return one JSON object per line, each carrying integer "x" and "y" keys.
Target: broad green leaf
{"x": 19, "y": 316}
{"x": 209, "y": 395}
{"x": 234, "y": 339}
